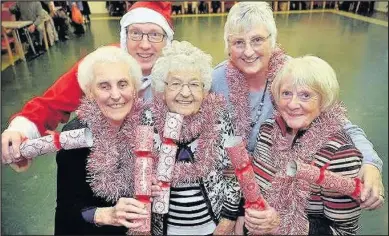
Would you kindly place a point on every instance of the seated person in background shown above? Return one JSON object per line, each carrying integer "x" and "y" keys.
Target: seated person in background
{"x": 51, "y": 31}
{"x": 61, "y": 20}
{"x": 203, "y": 7}
{"x": 216, "y": 6}
{"x": 77, "y": 20}
{"x": 307, "y": 127}
{"x": 32, "y": 11}
{"x": 94, "y": 196}
{"x": 177, "y": 8}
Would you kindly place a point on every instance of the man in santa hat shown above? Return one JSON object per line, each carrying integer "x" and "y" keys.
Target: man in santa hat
{"x": 145, "y": 29}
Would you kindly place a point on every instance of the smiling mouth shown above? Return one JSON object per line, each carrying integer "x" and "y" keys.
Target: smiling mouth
{"x": 250, "y": 60}
{"x": 117, "y": 105}
{"x": 145, "y": 56}
{"x": 184, "y": 102}
{"x": 294, "y": 115}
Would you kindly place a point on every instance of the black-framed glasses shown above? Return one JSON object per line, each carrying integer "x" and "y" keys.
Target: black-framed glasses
{"x": 152, "y": 37}
{"x": 255, "y": 42}
{"x": 194, "y": 86}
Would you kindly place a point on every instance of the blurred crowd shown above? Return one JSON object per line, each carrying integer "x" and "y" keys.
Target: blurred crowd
{"x": 61, "y": 20}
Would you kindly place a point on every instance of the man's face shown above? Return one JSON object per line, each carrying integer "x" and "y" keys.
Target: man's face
{"x": 145, "y": 51}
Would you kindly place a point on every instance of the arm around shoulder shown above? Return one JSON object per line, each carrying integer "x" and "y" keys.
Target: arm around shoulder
{"x": 56, "y": 104}
{"x": 361, "y": 142}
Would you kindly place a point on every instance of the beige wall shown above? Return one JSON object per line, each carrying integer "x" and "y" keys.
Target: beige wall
{"x": 97, "y": 7}
{"x": 381, "y": 6}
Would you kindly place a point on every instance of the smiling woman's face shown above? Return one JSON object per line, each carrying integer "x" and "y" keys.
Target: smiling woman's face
{"x": 249, "y": 58}
{"x": 184, "y": 92}
{"x": 113, "y": 90}
{"x": 298, "y": 105}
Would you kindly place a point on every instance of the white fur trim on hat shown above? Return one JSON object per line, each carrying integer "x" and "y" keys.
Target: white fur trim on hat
{"x": 143, "y": 15}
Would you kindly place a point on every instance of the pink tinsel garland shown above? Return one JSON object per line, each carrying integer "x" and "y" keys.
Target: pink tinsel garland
{"x": 239, "y": 91}
{"x": 202, "y": 123}
{"x": 111, "y": 161}
{"x": 290, "y": 196}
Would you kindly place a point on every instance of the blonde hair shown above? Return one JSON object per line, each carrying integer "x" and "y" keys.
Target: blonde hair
{"x": 181, "y": 56}
{"x": 107, "y": 54}
{"x": 244, "y": 16}
{"x": 312, "y": 72}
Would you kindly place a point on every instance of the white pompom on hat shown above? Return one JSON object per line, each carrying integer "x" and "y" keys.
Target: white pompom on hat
{"x": 147, "y": 12}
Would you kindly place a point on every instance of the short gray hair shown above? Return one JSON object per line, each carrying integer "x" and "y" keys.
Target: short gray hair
{"x": 106, "y": 54}
{"x": 244, "y": 16}
{"x": 181, "y": 56}
{"x": 312, "y": 72}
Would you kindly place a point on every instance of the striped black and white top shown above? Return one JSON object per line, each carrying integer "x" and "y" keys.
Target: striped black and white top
{"x": 188, "y": 212}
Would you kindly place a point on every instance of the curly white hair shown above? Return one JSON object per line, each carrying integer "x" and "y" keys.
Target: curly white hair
{"x": 181, "y": 56}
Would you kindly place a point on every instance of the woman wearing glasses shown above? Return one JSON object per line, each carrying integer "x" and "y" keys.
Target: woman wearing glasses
{"x": 244, "y": 79}
{"x": 202, "y": 200}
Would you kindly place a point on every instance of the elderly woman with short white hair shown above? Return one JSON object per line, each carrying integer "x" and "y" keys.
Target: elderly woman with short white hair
{"x": 94, "y": 186}
{"x": 307, "y": 127}
{"x": 202, "y": 200}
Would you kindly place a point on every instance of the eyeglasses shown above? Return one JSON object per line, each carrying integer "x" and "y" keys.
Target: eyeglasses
{"x": 152, "y": 37}
{"x": 255, "y": 42}
{"x": 194, "y": 86}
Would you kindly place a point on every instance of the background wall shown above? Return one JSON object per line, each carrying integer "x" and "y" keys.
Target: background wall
{"x": 381, "y": 6}
{"x": 97, "y": 7}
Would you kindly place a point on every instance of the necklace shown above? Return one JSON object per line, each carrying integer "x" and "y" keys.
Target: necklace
{"x": 259, "y": 111}
{"x": 239, "y": 91}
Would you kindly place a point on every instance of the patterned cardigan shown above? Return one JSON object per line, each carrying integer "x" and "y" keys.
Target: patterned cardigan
{"x": 222, "y": 193}
{"x": 329, "y": 213}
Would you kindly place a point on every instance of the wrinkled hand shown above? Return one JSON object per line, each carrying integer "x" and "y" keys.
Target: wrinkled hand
{"x": 372, "y": 196}
{"x": 122, "y": 214}
{"x": 31, "y": 28}
{"x": 10, "y": 144}
{"x": 155, "y": 187}
{"x": 21, "y": 166}
{"x": 239, "y": 226}
{"x": 263, "y": 221}
{"x": 225, "y": 227}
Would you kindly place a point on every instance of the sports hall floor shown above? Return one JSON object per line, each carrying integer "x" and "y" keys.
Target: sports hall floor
{"x": 356, "y": 46}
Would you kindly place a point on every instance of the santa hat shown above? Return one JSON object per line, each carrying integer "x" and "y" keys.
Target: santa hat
{"x": 147, "y": 12}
